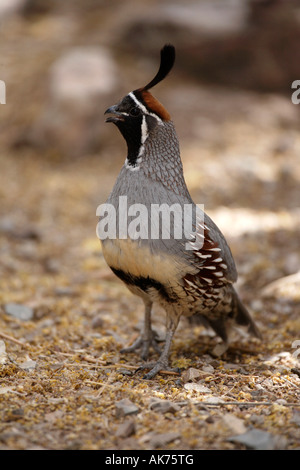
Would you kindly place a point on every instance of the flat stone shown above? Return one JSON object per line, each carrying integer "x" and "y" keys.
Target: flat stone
{"x": 235, "y": 424}
{"x": 125, "y": 407}
{"x": 160, "y": 440}
{"x": 22, "y": 312}
{"x": 255, "y": 439}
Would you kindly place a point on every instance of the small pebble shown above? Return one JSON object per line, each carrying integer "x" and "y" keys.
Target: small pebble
{"x": 163, "y": 406}
{"x": 214, "y": 400}
{"x": 196, "y": 388}
{"x": 27, "y": 365}
{"x": 97, "y": 322}
{"x": 3, "y": 355}
{"x": 126, "y": 372}
{"x": 64, "y": 291}
{"x": 229, "y": 366}
{"x": 281, "y": 401}
{"x": 190, "y": 374}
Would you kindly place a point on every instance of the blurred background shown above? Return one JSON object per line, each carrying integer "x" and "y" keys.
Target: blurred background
{"x": 229, "y": 95}
{"x": 63, "y": 315}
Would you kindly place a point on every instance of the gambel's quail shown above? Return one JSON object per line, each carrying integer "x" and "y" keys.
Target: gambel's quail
{"x": 190, "y": 274}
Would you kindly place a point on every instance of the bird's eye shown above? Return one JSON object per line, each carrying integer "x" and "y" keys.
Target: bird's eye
{"x": 135, "y": 111}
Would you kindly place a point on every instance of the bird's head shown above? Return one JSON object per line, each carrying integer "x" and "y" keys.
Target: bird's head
{"x": 138, "y": 113}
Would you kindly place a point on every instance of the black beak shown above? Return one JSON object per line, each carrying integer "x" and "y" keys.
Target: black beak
{"x": 117, "y": 116}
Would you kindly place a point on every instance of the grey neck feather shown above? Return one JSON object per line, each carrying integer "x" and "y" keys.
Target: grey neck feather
{"x": 158, "y": 177}
{"x": 161, "y": 159}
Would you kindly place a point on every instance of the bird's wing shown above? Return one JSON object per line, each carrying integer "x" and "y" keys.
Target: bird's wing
{"x": 211, "y": 255}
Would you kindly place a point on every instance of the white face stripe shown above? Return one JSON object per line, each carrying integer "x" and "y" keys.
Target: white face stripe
{"x": 144, "y": 131}
{"x": 142, "y": 107}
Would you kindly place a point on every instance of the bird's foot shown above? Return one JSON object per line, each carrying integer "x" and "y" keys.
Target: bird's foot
{"x": 144, "y": 344}
{"x": 156, "y": 367}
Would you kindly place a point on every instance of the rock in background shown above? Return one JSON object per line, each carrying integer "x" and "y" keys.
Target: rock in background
{"x": 79, "y": 80}
{"x": 78, "y": 56}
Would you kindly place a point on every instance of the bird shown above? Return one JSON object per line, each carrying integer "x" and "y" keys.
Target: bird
{"x": 190, "y": 276}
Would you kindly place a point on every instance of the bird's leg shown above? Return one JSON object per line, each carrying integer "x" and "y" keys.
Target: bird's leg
{"x": 147, "y": 337}
{"x": 163, "y": 361}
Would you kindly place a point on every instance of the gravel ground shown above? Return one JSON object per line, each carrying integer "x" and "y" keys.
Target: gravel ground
{"x": 64, "y": 317}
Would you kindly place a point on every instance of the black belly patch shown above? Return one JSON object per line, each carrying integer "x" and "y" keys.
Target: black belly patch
{"x": 144, "y": 283}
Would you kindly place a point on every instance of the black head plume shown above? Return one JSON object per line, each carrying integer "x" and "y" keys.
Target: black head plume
{"x": 141, "y": 98}
{"x": 167, "y": 59}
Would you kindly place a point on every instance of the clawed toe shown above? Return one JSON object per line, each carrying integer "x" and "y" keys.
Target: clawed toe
{"x": 136, "y": 345}
{"x": 144, "y": 345}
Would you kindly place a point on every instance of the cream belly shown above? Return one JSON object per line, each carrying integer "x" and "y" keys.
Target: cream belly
{"x": 137, "y": 259}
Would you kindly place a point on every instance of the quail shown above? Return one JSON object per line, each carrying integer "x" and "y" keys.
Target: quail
{"x": 190, "y": 274}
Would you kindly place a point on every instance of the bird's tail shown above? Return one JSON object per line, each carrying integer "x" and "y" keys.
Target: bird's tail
{"x": 241, "y": 316}
{"x": 226, "y": 322}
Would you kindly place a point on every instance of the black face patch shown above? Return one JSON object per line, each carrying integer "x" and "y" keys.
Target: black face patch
{"x": 135, "y": 122}
{"x": 130, "y": 126}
